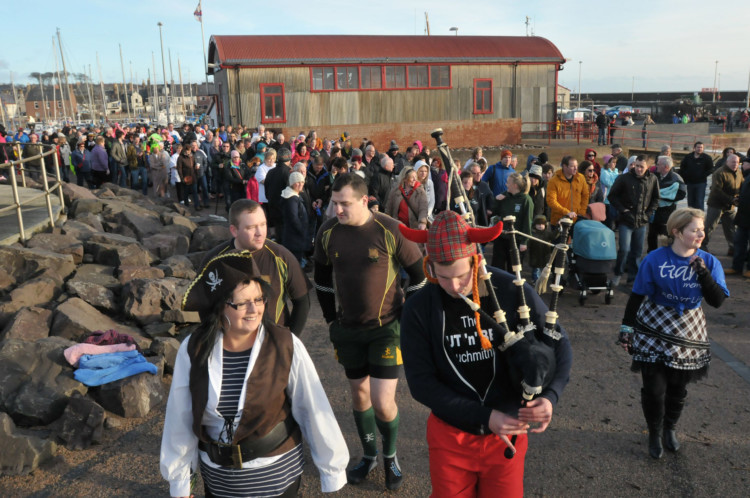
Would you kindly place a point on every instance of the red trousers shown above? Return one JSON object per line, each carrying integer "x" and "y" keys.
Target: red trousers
{"x": 464, "y": 465}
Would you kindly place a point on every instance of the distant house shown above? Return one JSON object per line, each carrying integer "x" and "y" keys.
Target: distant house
{"x": 477, "y": 88}
{"x": 49, "y": 104}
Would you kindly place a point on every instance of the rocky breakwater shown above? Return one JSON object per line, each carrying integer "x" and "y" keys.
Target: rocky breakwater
{"x": 121, "y": 261}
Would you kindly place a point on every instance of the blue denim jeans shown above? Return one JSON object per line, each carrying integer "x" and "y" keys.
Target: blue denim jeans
{"x": 630, "y": 250}
{"x": 602, "y": 137}
{"x": 187, "y": 190}
{"x": 141, "y": 172}
{"x": 122, "y": 176}
{"x": 203, "y": 188}
{"x": 696, "y": 195}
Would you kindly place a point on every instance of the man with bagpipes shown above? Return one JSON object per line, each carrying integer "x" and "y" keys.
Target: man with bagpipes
{"x": 487, "y": 378}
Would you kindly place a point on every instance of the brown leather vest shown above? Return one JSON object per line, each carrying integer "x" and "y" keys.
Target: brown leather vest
{"x": 266, "y": 401}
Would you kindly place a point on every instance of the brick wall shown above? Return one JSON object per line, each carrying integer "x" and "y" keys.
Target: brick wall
{"x": 456, "y": 133}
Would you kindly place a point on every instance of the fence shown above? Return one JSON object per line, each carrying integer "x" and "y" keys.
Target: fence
{"x": 586, "y": 132}
{"x": 19, "y": 167}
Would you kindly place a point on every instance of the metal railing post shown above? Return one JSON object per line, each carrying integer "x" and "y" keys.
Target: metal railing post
{"x": 14, "y": 188}
{"x": 59, "y": 180}
{"x": 46, "y": 192}
{"x": 19, "y": 153}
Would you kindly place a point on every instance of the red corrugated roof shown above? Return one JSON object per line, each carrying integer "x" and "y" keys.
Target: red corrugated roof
{"x": 315, "y": 49}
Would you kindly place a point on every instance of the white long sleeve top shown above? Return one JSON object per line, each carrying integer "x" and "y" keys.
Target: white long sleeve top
{"x": 310, "y": 408}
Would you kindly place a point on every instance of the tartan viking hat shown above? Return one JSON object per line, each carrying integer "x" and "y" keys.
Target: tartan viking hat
{"x": 218, "y": 278}
{"x": 450, "y": 238}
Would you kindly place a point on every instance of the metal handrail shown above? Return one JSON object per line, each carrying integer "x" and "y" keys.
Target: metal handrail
{"x": 47, "y": 191}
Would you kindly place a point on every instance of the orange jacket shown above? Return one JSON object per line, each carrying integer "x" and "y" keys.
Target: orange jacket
{"x": 564, "y": 196}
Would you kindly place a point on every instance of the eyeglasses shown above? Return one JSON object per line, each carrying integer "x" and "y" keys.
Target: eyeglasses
{"x": 590, "y": 170}
{"x": 590, "y": 155}
{"x": 258, "y": 302}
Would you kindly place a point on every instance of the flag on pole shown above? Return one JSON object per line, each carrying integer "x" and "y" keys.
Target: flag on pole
{"x": 198, "y": 12}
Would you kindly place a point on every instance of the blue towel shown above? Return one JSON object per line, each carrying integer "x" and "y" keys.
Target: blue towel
{"x": 95, "y": 370}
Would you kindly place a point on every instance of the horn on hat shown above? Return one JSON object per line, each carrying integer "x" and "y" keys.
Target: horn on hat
{"x": 484, "y": 235}
{"x": 418, "y": 236}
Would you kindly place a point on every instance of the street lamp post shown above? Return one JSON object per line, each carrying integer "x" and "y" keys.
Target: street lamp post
{"x": 454, "y": 29}
{"x": 164, "y": 72}
{"x": 716, "y": 74}
{"x": 580, "y": 63}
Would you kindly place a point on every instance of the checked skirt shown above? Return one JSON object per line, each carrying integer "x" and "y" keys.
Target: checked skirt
{"x": 663, "y": 335}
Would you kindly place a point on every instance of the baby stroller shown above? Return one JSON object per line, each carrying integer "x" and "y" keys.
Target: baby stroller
{"x": 591, "y": 257}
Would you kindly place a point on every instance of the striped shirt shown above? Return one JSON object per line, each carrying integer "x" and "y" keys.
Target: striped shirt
{"x": 271, "y": 480}
{"x": 234, "y": 368}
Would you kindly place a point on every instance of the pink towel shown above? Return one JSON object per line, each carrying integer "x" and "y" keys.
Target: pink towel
{"x": 74, "y": 353}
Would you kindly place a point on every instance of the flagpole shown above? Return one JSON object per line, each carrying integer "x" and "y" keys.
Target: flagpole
{"x": 203, "y": 42}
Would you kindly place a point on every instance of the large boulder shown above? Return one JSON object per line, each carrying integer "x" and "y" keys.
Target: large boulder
{"x": 22, "y": 263}
{"x": 6, "y": 282}
{"x": 166, "y": 347}
{"x": 160, "y": 329}
{"x": 144, "y": 300}
{"x": 97, "y": 274}
{"x": 59, "y": 243}
{"x": 35, "y": 380}
{"x": 140, "y": 222}
{"x": 82, "y": 227}
{"x": 81, "y": 424}
{"x": 178, "y": 267}
{"x": 75, "y": 319}
{"x": 117, "y": 250}
{"x": 127, "y": 273}
{"x": 29, "y": 324}
{"x": 33, "y": 292}
{"x": 163, "y": 245}
{"x": 176, "y": 220}
{"x": 131, "y": 397}
{"x": 21, "y": 453}
{"x": 81, "y": 206}
{"x": 72, "y": 192}
{"x": 208, "y": 237}
{"x": 96, "y": 295}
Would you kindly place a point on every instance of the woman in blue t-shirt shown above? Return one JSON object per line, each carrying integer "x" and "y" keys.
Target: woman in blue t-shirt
{"x": 664, "y": 327}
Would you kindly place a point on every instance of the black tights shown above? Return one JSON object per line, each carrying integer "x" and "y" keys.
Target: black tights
{"x": 660, "y": 381}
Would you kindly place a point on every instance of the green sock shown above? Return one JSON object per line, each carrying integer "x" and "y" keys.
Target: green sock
{"x": 389, "y": 431}
{"x": 366, "y": 429}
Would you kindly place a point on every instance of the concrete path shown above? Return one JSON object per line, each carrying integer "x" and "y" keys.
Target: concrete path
{"x": 34, "y": 213}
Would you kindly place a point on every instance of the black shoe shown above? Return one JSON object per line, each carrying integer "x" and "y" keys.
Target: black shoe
{"x": 359, "y": 472}
{"x": 654, "y": 444}
{"x": 393, "y": 475}
{"x": 670, "y": 440}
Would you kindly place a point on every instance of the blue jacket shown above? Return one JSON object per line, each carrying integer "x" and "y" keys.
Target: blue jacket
{"x": 496, "y": 175}
{"x": 81, "y": 161}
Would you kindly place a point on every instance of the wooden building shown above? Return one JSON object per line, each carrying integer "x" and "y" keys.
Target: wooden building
{"x": 477, "y": 88}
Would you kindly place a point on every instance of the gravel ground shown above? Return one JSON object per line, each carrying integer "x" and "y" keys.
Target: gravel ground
{"x": 595, "y": 446}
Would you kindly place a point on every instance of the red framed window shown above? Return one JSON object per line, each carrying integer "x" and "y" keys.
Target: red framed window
{"x": 482, "y": 96}
{"x": 322, "y": 78}
{"x": 418, "y": 76}
{"x": 395, "y": 76}
{"x": 347, "y": 78}
{"x": 440, "y": 76}
{"x": 371, "y": 76}
{"x": 273, "y": 108}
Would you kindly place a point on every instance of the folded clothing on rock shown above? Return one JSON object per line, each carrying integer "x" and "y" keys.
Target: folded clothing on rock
{"x": 74, "y": 353}
{"x": 96, "y": 370}
{"x": 104, "y": 338}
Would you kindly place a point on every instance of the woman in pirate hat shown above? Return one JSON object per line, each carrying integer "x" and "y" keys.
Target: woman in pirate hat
{"x": 244, "y": 393}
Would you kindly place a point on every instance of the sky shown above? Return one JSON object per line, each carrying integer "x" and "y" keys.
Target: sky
{"x": 636, "y": 45}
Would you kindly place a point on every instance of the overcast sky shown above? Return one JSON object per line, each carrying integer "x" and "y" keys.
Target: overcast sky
{"x": 655, "y": 45}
